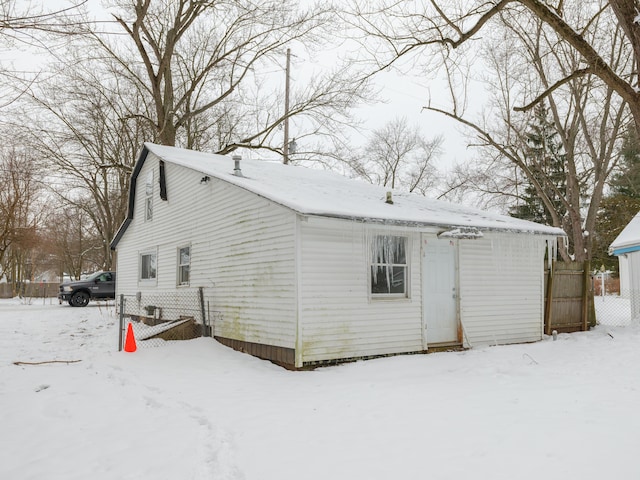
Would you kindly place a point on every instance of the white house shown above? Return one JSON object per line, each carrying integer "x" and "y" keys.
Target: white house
{"x": 626, "y": 247}
{"x": 307, "y": 266}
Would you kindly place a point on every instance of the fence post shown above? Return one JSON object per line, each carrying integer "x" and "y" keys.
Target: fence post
{"x": 548, "y": 308}
{"x": 202, "y": 311}
{"x": 121, "y": 329}
{"x": 585, "y": 295}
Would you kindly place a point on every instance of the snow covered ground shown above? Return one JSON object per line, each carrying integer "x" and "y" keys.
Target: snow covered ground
{"x": 567, "y": 409}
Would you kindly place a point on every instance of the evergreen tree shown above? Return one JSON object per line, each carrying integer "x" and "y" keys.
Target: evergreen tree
{"x": 615, "y": 213}
{"x": 622, "y": 204}
{"x": 545, "y": 161}
{"x": 626, "y": 181}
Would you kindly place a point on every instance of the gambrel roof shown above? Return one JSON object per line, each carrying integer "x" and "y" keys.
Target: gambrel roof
{"x": 323, "y": 193}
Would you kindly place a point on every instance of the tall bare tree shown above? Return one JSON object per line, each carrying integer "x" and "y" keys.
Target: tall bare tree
{"x": 528, "y": 56}
{"x": 185, "y": 72}
{"x": 78, "y": 121}
{"x": 200, "y": 68}
{"x": 587, "y": 114}
{"x": 19, "y": 211}
{"x": 454, "y": 25}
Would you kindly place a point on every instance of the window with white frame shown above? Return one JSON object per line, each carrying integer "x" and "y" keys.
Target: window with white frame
{"x": 184, "y": 265}
{"x": 148, "y": 201}
{"x": 389, "y": 268}
{"x": 148, "y": 266}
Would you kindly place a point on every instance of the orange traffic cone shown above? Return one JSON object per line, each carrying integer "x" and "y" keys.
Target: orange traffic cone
{"x": 130, "y": 342}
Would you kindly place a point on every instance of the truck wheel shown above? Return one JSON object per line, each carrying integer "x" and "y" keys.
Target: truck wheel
{"x": 79, "y": 299}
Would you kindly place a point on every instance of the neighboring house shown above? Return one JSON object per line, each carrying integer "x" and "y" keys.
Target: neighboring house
{"x": 306, "y": 266}
{"x": 626, "y": 247}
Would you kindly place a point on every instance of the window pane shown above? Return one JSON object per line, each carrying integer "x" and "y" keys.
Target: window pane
{"x": 388, "y": 279}
{"x": 389, "y": 249}
{"x": 148, "y": 209}
{"x": 399, "y": 250}
{"x": 398, "y": 280}
{"x": 148, "y": 214}
{"x": 149, "y": 184}
{"x": 379, "y": 280}
{"x": 185, "y": 256}
{"x": 148, "y": 267}
{"x": 183, "y": 275}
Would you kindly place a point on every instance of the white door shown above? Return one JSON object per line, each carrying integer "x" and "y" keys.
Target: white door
{"x": 439, "y": 291}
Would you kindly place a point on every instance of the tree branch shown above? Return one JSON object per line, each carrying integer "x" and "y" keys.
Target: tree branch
{"x": 555, "y": 86}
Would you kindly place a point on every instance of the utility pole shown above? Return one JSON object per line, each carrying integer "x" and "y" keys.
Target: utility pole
{"x": 285, "y": 147}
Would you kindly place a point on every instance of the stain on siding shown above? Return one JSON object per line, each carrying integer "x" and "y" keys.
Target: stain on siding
{"x": 339, "y": 319}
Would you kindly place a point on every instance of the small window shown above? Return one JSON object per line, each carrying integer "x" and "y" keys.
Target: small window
{"x": 184, "y": 265}
{"x": 148, "y": 190}
{"x": 389, "y": 266}
{"x": 148, "y": 270}
{"x": 148, "y": 203}
{"x": 148, "y": 210}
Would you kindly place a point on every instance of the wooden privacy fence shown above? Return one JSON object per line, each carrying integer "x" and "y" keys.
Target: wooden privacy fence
{"x": 32, "y": 290}
{"x": 568, "y": 298}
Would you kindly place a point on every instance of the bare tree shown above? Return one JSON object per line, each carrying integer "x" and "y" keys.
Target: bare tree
{"x": 398, "y": 156}
{"x": 78, "y": 121}
{"x": 74, "y": 243}
{"x": 200, "y": 68}
{"x": 19, "y": 212}
{"x": 454, "y": 25}
{"x": 190, "y": 75}
{"x": 22, "y": 25}
{"x": 586, "y": 112}
{"x": 19, "y": 20}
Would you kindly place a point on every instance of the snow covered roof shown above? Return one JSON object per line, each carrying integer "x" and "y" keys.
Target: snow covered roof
{"x": 629, "y": 238}
{"x": 323, "y": 193}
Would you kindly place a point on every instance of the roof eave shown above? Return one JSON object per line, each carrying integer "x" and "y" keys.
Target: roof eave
{"x": 623, "y": 250}
{"x": 132, "y": 195}
{"x": 410, "y": 223}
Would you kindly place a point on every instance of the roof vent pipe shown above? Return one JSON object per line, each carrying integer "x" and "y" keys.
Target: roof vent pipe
{"x": 236, "y": 169}
{"x": 389, "y": 199}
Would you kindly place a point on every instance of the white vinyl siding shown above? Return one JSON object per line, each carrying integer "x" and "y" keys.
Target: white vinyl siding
{"x": 242, "y": 253}
{"x": 501, "y": 288}
{"x": 339, "y": 318}
{"x": 632, "y": 267}
{"x": 625, "y": 279}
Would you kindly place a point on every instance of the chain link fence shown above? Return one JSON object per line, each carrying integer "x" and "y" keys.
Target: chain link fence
{"x": 614, "y": 307}
{"x": 160, "y": 317}
{"x": 618, "y": 310}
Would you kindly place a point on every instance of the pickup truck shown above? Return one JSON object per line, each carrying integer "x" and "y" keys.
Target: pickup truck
{"x": 98, "y": 286}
